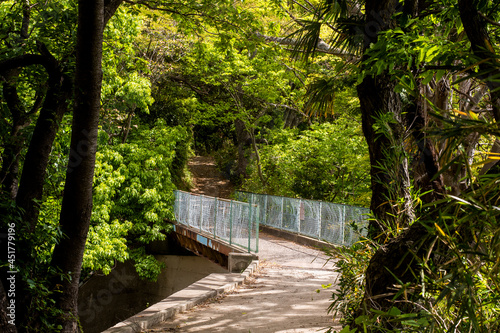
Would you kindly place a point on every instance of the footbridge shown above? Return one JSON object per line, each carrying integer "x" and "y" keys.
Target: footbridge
{"x": 219, "y": 228}
{"x": 227, "y": 231}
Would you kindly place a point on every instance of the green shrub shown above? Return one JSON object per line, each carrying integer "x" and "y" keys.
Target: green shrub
{"x": 328, "y": 162}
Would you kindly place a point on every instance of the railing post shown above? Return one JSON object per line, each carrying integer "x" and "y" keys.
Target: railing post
{"x": 201, "y": 211}
{"x": 299, "y": 210}
{"x": 175, "y": 206}
{"x": 257, "y": 234}
{"x": 188, "y": 209}
{"x": 342, "y": 225}
{"x": 250, "y": 208}
{"x": 264, "y": 218}
{"x": 281, "y": 215}
{"x": 215, "y": 218}
{"x": 231, "y": 222}
{"x": 319, "y": 219}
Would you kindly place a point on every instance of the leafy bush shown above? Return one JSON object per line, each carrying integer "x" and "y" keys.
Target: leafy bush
{"x": 456, "y": 285}
{"x": 350, "y": 263}
{"x": 328, "y": 162}
{"x": 133, "y": 197}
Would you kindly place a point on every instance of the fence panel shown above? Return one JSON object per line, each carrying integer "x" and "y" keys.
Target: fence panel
{"x": 318, "y": 219}
{"x": 232, "y": 221}
{"x": 290, "y": 219}
{"x": 310, "y": 217}
{"x": 274, "y": 211}
{"x": 332, "y": 223}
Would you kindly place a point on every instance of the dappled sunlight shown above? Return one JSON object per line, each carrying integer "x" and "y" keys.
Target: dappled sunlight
{"x": 281, "y": 297}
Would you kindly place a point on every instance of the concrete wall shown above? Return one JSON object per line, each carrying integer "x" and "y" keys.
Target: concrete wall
{"x": 107, "y": 300}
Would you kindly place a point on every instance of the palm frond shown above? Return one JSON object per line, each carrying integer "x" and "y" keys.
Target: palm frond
{"x": 307, "y": 38}
{"x": 345, "y": 25}
{"x": 320, "y": 97}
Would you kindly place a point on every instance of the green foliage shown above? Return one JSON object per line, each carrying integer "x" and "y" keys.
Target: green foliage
{"x": 126, "y": 88}
{"x": 456, "y": 286}
{"x": 106, "y": 243}
{"x": 146, "y": 265}
{"x": 350, "y": 263}
{"x": 133, "y": 197}
{"x": 43, "y": 301}
{"x": 328, "y": 162}
{"x": 32, "y": 275}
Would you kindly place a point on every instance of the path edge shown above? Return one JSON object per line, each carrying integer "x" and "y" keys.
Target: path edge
{"x": 175, "y": 303}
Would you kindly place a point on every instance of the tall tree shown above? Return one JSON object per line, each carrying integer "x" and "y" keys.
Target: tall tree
{"x": 77, "y": 200}
{"x": 407, "y": 87}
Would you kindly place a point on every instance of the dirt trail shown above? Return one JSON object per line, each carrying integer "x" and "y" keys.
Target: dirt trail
{"x": 282, "y": 295}
{"x": 207, "y": 179}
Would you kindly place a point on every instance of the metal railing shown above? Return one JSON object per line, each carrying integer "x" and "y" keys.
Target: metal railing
{"x": 232, "y": 221}
{"x": 317, "y": 219}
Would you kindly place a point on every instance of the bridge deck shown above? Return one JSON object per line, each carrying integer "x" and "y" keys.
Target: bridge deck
{"x": 281, "y": 298}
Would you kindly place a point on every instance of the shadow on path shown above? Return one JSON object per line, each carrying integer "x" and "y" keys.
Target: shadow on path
{"x": 282, "y": 296}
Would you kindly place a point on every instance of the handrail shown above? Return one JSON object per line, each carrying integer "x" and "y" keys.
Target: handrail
{"x": 233, "y": 221}
{"x": 318, "y": 219}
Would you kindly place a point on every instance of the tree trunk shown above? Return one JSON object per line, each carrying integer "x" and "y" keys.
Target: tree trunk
{"x": 38, "y": 154}
{"x": 389, "y": 177}
{"x": 426, "y": 163}
{"x": 257, "y": 158}
{"x": 5, "y": 326}
{"x": 77, "y": 199}
{"x": 35, "y": 162}
{"x": 389, "y": 168}
{"x": 128, "y": 123}
{"x": 476, "y": 29}
{"x": 378, "y": 98}
{"x": 395, "y": 258}
{"x": 9, "y": 173}
{"x": 242, "y": 137}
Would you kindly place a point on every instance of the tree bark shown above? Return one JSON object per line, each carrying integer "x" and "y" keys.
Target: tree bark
{"x": 38, "y": 154}
{"x": 9, "y": 173}
{"x": 128, "y": 123}
{"x": 36, "y": 159}
{"x": 76, "y": 207}
{"x": 5, "y": 326}
{"x": 257, "y": 159}
{"x": 475, "y": 27}
{"x": 77, "y": 199}
{"x": 377, "y": 97}
{"x": 426, "y": 163}
{"x": 388, "y": 180}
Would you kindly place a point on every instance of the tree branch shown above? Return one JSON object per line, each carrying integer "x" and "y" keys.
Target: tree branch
{"x": 24, "y": 60}
{"x": 321, "y": 46}
{"x": 487, "y": 19}
{"x": 110, "y": 7}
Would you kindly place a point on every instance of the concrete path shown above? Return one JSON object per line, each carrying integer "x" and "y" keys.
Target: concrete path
{"x": 281, "y": 296}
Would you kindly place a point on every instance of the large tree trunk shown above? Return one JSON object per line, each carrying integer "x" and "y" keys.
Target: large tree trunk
{"x": 475, "y": 27}
{"x": 38, "y": 154}
{"x": 389, "y": 176}
{"x": 9, "y": 177}
{"x": 397, "y": 258}
{"x": 378, "y": 98}
{"x": 36, "y": 159}
{"x": 425, "y": 166}
{"x": 77, "y": 199}
{"x": 34, "y": 169}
